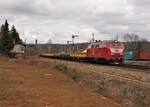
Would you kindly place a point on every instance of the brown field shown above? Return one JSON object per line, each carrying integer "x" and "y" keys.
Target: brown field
{"x": 24, "y": 85}
{"x": 127, "y": 86}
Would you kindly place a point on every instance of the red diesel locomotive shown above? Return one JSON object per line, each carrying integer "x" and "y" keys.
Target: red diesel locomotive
{"x": 106, "y": 51}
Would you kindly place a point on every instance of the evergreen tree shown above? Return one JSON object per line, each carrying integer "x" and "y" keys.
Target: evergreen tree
{"x": 1, "y": 33}
{"x": 8, "y": 39}
{"x": 15, "y": 36}
{"x": 6, "y": 26}
{"x": 6, "y": 43}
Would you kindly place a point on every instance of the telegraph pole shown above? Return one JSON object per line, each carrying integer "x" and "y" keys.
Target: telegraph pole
{"x": 68, "y": 46}
{"x": 93, "y": 37}
{"x": 36, "y": 41}
{"x": 73, "y": 37}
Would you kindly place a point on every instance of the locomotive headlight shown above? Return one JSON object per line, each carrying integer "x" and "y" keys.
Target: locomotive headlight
{"x": 116, "y": 51}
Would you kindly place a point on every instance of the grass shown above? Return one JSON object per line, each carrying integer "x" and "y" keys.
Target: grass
{"x": 9, "y": 92}
{"x": 30, "y": 104}
{"x": 74, "y": 74}
{"x": 102, "y": 86}
{"x": 9, "y": 89}
{"x": 119, "y": 90}
{"x": 4, "y": 87}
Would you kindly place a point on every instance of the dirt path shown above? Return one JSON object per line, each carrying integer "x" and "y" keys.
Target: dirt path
{"x": 27, "y": 86}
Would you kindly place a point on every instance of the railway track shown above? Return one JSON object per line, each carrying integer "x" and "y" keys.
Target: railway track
{"x": 133, "y": 66}
{"x": 125, "y": 65}
{"x": 136, "y": 81}
{"x": 130, "y": 73}
{"x": 142, "y": 67}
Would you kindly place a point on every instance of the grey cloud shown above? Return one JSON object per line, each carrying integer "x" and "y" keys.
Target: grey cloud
{"x": 59, "y": 19}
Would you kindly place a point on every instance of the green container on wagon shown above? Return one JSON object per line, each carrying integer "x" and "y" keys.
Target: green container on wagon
{"x": 128, "y": 55}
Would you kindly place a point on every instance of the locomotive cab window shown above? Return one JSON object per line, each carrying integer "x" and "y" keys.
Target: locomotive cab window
{"x": 97, "y": 46}
{"x": 92, "y": 46}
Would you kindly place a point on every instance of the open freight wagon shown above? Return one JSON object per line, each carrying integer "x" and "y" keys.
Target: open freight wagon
{"x": 143, "y": 53}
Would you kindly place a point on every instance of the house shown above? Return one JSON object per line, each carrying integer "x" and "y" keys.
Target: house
{"x": 18, "y": 50}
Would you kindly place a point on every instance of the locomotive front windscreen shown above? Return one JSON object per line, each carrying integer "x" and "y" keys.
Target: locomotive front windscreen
{"x": 116, "y": 47}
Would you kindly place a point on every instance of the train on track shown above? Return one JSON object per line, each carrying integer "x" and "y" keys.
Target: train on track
{"x": 99, "y": 51}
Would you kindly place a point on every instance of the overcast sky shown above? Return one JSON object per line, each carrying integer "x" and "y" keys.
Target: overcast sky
{"x": 59, "y": 19}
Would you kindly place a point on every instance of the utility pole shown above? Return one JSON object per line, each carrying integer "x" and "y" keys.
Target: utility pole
{"x": 93, "y": 37}
{"x": 36, "y": 41}
{"x": 68, "y": 46}
{"x": 25, "y": 41}
{"x": 73, "y": 37}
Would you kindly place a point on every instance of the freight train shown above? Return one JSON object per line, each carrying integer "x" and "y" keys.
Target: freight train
{"x": 99, "y": 51}
{"x": 137, "y": 51}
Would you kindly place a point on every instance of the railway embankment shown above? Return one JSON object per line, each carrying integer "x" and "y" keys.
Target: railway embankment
{"x": 130, "y": 87}
{"x": 23, "y": 85}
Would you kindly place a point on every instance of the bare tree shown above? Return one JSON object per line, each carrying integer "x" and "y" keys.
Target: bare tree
{"x": 134, "y": 42}
{"x": 131, "y": 37}
{"x": 116, "y": 38}
{"x": 144, "y": 40}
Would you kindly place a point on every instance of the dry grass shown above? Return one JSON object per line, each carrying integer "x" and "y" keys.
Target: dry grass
{"x": 74, "y": 74}
{"x": 30, "y": 104}
{"x": 8, "y": 89}
{"x": 122, "y": 91}
{"x": 28, "y": 86}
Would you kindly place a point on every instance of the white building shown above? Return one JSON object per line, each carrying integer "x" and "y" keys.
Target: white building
{"x": 18, "y": 49}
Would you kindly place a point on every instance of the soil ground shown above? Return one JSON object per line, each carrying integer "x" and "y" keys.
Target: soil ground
{"x": 28, "y": 86}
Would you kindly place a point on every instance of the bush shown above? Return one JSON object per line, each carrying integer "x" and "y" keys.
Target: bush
{"x": 70, "y": 72}
{"x": 12, "y": 55}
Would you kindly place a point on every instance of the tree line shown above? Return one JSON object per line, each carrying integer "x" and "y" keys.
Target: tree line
{"x": 8, "y": 39}
{"x": 131, "y": 37}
